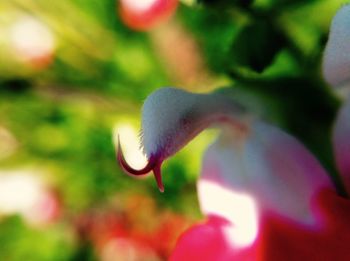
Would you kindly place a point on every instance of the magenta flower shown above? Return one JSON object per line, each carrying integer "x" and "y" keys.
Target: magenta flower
{"x": 265, "y": 196}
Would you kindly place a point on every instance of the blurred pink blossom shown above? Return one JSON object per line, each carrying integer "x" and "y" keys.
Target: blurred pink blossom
{"x": 146, "y": 14}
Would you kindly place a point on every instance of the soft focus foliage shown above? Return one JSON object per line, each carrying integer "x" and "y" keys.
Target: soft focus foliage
{"x": 74, "y": 73}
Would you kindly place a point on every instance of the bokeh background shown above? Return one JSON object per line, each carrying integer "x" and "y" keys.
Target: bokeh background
{"x": 74, "y": 74}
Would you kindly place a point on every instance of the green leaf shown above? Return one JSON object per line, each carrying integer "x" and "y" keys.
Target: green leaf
{"x": 223, "y": 3}
{"x": 214, "y": 31}
{"x": 256, "y": 46}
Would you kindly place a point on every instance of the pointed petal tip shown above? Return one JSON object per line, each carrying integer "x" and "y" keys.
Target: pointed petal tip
{"x": 154, "y": 164}
{"x": 158, "y": 176}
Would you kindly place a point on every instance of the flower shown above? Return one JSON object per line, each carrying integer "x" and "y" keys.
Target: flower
{"x": 266, "y": 197}
{"x": 37, "y": 203}
{"x": 146, "y": 14}
{"x": 33, "y": 42}
{"x": 117, "y": 233}
{"x": 254, "y": 171}
{"x": 336, "y": 70}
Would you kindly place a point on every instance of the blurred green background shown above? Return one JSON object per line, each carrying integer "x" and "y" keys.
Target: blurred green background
{"x": 73, "y": 74}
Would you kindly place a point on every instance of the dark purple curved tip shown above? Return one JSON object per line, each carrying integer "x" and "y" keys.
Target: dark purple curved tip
{"x": 158, "y": 176}
{"x": 153, "y": 165}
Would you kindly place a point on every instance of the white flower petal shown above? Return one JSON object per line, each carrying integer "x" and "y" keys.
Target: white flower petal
{"x": 336, "y": 60}
{"x": 269, "y": 165}
{"x": 237, "y": 208}
{"x": 341, "y": 143}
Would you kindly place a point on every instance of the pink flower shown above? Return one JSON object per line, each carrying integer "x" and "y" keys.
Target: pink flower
{"x": 265, "y": 196}
{"x": 146, "y": 14}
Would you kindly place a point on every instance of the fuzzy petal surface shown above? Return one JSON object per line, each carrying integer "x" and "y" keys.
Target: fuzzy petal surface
{"x": 341, "y": 143}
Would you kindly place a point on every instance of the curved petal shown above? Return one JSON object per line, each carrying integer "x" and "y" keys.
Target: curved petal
{"x": 172, "y": 117}
{"x": 336, "y": 60}
{"x": 270, "y": 166}
{"x": 341, "y": 143}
